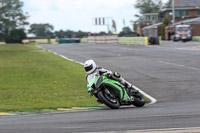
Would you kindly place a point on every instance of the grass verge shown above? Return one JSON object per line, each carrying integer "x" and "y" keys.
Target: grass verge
{"x": 33, "y": 79}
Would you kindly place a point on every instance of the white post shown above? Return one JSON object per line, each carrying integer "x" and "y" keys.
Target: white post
{"x": 173, "y": 10}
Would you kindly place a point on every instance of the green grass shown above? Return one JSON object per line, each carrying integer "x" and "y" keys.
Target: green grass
{"x": 33, "y": 80}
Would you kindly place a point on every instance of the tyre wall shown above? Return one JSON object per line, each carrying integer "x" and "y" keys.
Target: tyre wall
{"x": 133, "y": 40}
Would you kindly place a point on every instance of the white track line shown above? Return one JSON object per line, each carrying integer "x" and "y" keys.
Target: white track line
{"x": 167, "y": 129}
{"x": 164, "y": 130}
{"x": 153, "y": 100}
{"x": 179, "y": 65}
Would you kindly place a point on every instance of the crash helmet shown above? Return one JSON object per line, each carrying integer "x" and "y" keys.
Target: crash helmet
{"x": 90, "y": 66}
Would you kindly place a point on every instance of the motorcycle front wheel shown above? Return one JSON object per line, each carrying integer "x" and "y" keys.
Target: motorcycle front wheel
{"x": 139, "y": 100}
{"x": 108, "y": 100}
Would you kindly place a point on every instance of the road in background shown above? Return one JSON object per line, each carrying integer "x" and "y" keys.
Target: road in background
{"x": 170, "y": 73}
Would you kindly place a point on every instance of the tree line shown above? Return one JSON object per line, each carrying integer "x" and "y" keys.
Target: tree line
{"x": 13, "y": 22}
{"x": 47, "y": 31}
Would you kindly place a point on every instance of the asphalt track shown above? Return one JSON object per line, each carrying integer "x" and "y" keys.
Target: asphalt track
{"x": 170, "y": 73}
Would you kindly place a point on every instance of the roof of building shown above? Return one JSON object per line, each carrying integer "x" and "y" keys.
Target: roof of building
{"x": 187, "y": 21}
{"x": 150, "y": 14}
{"x": 184, "y": 3}
{"x": 152, "y": 26}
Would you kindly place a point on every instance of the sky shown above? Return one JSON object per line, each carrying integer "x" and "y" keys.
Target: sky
{"x": 79, "y": 14}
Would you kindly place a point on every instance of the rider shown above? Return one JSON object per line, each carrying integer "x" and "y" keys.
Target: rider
{"x": 92, "y": 69}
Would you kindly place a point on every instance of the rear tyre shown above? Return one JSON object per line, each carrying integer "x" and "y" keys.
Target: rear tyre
{"x": 139, "y": 100}
{"x": 110, "y": 102}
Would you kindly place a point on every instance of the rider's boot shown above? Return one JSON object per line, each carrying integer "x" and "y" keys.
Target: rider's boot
{"x": 131, "y": 89}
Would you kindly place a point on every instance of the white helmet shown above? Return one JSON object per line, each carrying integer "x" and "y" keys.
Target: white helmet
{"x": 90, "y": 66}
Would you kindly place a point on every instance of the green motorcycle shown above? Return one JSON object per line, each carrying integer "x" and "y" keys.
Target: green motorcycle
{"x": 113, "y": 94}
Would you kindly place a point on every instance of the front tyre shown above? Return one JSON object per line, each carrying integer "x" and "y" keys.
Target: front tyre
{"x": 110, "y": 102}
{"x": 139, "y": 100}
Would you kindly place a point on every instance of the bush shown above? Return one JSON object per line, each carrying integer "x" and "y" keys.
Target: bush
{"x": 15, "y": 36}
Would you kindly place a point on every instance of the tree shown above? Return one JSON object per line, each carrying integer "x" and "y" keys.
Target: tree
{"x": 81, "y": 34}
{"x": 126, "y": 32}
{"x": 102, "y": 33}
{"x": 12, "y": 18}
{"x": 59, "y": 34}
{"x": 70, "y": 34}
{"x": 164, "y": 24}
{"x": 148, "y": 6}
{"x": 16, "y": 36}
{"x": 41, "y": 30}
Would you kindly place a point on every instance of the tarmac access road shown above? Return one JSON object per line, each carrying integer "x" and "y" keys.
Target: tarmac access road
{"x": 170, "y": 73}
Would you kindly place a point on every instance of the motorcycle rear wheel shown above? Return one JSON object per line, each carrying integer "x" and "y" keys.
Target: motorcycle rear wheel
{"x": 113, "y": 104}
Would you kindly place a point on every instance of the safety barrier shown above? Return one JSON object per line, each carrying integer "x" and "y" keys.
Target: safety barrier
{"x": 2, "y": 43}
{"x": 133, "y": 40}
{"x": 71, "y": 40}
{"x": 103, "y": 39}
{"x": 40, "y": 41}
{"x": 84, "y": 40}
{"x": 160, "y": 38}
{"x": 196, "y": 38}
{"x": 98, "y": 39}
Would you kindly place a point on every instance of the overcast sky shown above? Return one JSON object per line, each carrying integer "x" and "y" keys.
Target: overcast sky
{"x": 79, "y": 14}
